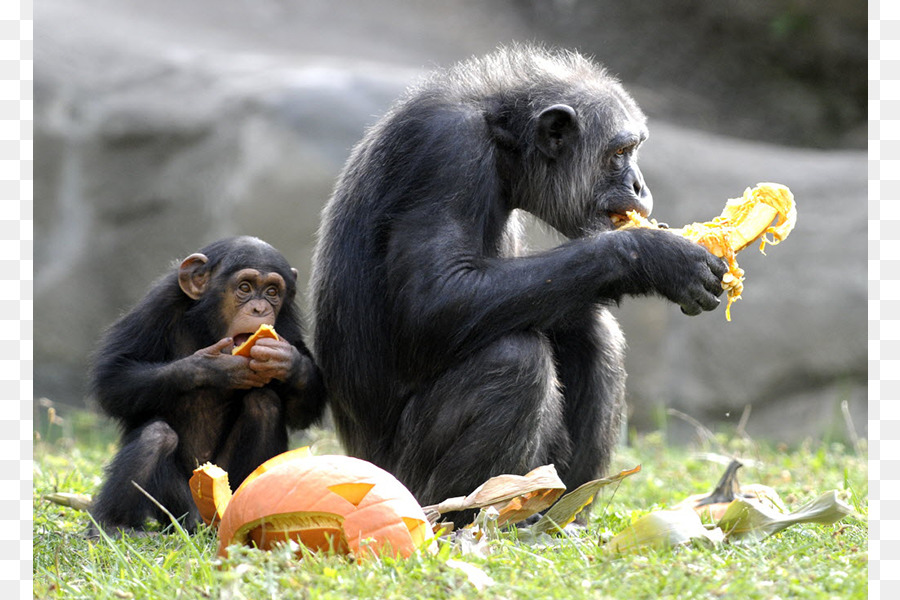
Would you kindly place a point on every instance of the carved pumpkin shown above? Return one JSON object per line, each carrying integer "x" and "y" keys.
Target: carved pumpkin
{"x": 324, "y": 502}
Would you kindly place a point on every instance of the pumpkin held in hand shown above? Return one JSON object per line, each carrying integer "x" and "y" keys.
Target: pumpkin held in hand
{"x": 323, "y": 502}
{"x": 767, "y": 209}
{"x": 264, "y": 331}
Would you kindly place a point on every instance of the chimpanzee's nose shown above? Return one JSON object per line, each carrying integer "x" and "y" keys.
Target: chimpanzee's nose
{"x": 259, "y": 307}
{"x": 635, "y": 180}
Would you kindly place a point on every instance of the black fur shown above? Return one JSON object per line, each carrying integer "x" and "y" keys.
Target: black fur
{"x": 448, "y": 356}
{"x": 174, "y": 417}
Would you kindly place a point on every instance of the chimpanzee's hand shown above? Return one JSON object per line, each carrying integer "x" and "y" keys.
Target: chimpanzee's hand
{"x": 684, "y": 272}
{"x": 276, "y": 359}
{"x": 219, "y": 368}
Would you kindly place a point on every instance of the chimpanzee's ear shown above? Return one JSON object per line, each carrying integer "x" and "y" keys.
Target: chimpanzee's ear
{"x": 557, "y": 129}
{"x": 295, "y": 272}
{"x": 192, "y": 278}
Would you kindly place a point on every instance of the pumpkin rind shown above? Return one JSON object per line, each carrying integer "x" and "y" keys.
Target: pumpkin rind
{"x": 301, "y": 452}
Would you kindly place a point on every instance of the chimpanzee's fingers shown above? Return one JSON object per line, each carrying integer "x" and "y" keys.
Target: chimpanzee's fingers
{"x": 711, "y": 278}
{"x": 691, "y": 309}
{"x": 718, "y": 266}
{"x": 713, "y": 284}
{"x": 251, "y": 380}
{"x": 223, "y": 346}
{"x": 701, "y": 298}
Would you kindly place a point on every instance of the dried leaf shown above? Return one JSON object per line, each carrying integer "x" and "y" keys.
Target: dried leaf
{"x": 714, "y": 504}
{"x": 748, "y": 521}
{"x": 664, "y": 529}
{"x": 753, "y": 492}
{"x": 516, "y": 497}
{"x": 567, "y": 508}
{"x": 520, "y": 508}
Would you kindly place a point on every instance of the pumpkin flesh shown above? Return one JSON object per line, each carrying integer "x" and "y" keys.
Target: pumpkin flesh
{"x": 768, "y": 208}
{"x": 316, "y": 531}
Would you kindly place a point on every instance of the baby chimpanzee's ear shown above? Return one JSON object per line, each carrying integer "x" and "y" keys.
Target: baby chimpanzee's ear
{"x": 192, "y": 277}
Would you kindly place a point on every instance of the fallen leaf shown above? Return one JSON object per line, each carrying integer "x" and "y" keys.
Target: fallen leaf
{"x": 516, "y": 497}
{"x": 714, "y": 504}
{"x": 748, "y": 521}
{"x": 664, "y": 529}
{"x": 567, "y": 508}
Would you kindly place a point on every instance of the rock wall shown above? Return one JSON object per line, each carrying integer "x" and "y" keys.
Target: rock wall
{"x": 159, "y": 128}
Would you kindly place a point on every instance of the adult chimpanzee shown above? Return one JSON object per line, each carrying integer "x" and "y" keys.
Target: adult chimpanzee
{"x": 166, "y": 373}
{"x": 448, "y": 358}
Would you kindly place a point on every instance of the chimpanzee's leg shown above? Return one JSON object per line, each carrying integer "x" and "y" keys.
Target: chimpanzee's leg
{"x": 147, "y": 457}
{"x": 590, "y": 353}
{"x": 259, "y": 433}
{"x": 497, "y": 412}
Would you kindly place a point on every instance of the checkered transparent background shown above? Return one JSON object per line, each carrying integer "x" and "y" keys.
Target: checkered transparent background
{"x": 884, "y": 299}
{"x": 16, "y": 318}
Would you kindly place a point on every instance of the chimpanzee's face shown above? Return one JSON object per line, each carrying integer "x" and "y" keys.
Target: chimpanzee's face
{"x": 251, "y": 298}
{"x": 621, "y": 187}
{"x": 586, "y": 175}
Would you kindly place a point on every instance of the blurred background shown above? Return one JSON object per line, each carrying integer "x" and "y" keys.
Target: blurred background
{"x": 162, "y": 126}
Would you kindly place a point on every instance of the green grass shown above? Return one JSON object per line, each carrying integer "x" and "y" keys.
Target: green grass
{"x": 806, "y": 561}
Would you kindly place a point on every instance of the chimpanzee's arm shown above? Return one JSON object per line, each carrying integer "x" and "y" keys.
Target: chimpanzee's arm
{"x": 452, "y": 299}
{"x": 133, "y": 389}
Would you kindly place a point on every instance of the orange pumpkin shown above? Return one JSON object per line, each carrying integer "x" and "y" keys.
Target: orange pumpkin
{"x": 302, "y": 452}
{"x": 263, "y": 331}
{"x": 324, "y": 502}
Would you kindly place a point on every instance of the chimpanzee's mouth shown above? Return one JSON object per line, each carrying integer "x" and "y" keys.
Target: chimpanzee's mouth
{"x": 241, "y": 338}
{"x": 618, "y": 220}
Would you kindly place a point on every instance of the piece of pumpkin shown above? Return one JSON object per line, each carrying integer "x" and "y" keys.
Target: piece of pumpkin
{"x": 337, "y": 502}
{"x": 264, "y": 331}
{"x": 768, "y": 208}
{"x": 211, "y": 491}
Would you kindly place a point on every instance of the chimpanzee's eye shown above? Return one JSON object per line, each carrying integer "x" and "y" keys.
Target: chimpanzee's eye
{"x": 245, "y": 287}
{"x": 272, "y": 292}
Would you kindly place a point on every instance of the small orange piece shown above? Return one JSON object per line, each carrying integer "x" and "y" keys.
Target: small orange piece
{"x": 211, "y": 492}
{"x": 264, "y": 331}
